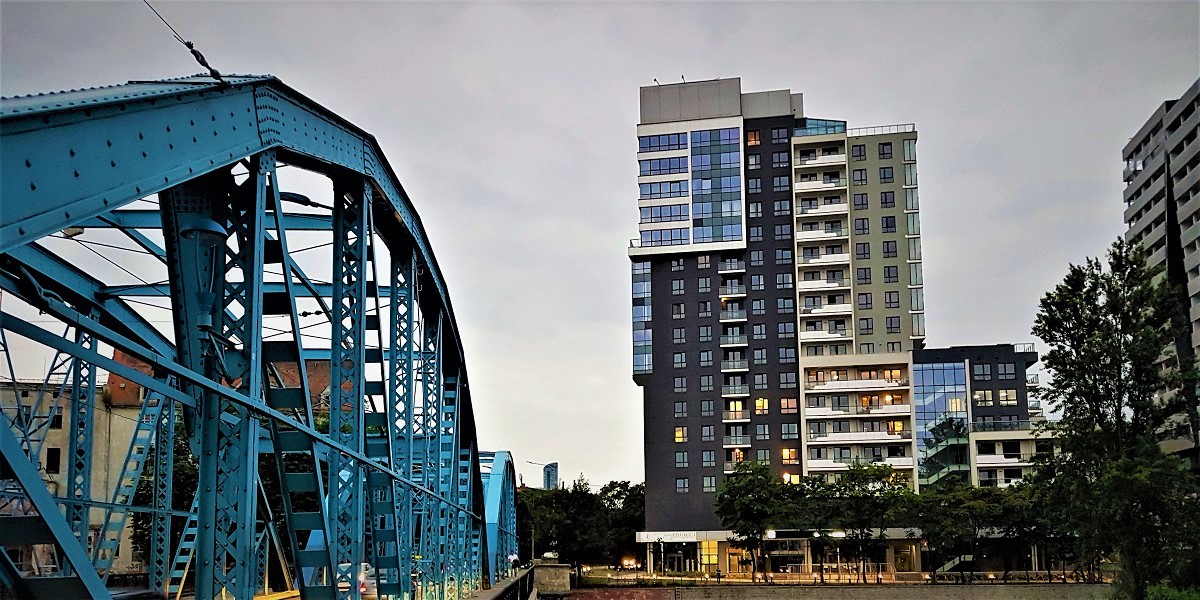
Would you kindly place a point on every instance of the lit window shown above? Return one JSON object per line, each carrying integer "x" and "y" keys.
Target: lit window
{"x": 788, "y": 406}
{"x": 681, "y": 434}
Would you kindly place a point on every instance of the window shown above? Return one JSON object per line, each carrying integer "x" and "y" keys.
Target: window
{"x": 914, "y": 248}
{"x": 859, "y": 176}
{"x": 814, "y": 351}
{"x": 706, "y": 333}
{"x": 783, "y": 281}
{"x": 785, "y": 306}
{"x": 676, "y": 287}
{"x": 706, "y": 408}
{"x": 783, "y": 232}
{"x": 756, "y": 258}
{"x": 708, "y": 433}
{"x": 780, "y": 135}
{"x": 914, "y": 224}
{"x": 1006, "y": 371}
{"x": 779, "y": 159}
{"x": 758, "y": 307}
{"x": 658, "y": 143}
{"x": 786, "y": 329}
{"x": 663, "y": 166}
{"x": 862, "y": 250}
{"x": 53, "y": 460}
{"x": 789, "y": 431}
{"x": 858, "y": 152}
{"x": 706, "y": 360}
{"x": 886, "y": 175}
{"x": 760, "y": 355}
{"x": 916, "y": 299}
{"x": 681, "y": 485}
{"x": 981, "y": 372}
{"x": 783, "y": 208}
{"x": 757, "y": 283}
{"x": 891, "y": 299}
{"x": 893, "y": 324}
{"x": 679, "y": 359}
{"x": 788, "y": 406}
{"x": 866, "y": 348}
{"x": 910, "y": 174}
{"x": 680, "y": 434}
{"x": 862, "y": 226}
{"x": 56, "y": 422}
{"x": 680, "y": 385}
{"x": 864, "y": 300}
{"x": 753, "y": 161}
{"x": 862, "y": 274}
{"x": 885, "y": 150}
{"x": 676, "y": 264}
{"x": 982, "y": 398}
{"x": 787, "y": 380}
{"x": 889, "y": 224}
{"x": 709, "y": 483}
{"x": 677, "y": 311}
{"x": 918, "y": 324}
{"x": 704, "y": 284}
{"x": 910, "y": 150}
{"x": 755, "y": 233}
{"x": 703, "y": 261}
{"x": 783, "y": 256}
{"x": 663, "y": 214}
{"x": 754, "y": 185}
{"x": 787, "y": 356}
{"x": 866, "y": 325}
{"x": 780, "y": 183}
{"x": 860, "y": 201}
{"x": 889, "y": 249}
{"x": 911, "y": 202}
{"x": 891, "y": 274}
{"x": 678, "y": 336}
{"x": 914, "y": 274}
{"x": 894, "y": 347}
{"x": 761, "y": 431}
{"x": 790, "y": 456}
{"x": 1007, "y": 397}
{"x": 887, "y": 199}
{"x": 663, "y": 189}
{"x": 760, "y": 381}
{"x": 704, "y": 309}
{"x": 681, "y": 460}
{"x": 708, "y": 458}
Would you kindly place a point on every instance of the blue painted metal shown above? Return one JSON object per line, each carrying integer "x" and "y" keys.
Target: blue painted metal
{"x": 405, "y": 489}
{"x": 79, "y": 446}
{"x": 499, "y": 480}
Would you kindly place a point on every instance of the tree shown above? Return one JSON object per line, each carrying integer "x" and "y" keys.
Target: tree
{"x": 1119, "y": 386}
{"x": 866, "y": 499}
{"x": 625, "y": 505}
{"x": 747, "y": 503}
{"x": 810, "y": 505}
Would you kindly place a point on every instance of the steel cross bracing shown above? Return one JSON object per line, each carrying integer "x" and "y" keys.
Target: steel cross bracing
{"x": 144, "y": 235}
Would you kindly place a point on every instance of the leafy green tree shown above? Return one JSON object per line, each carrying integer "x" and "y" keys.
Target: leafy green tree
{"x": 1119, "y": 385}
{"x": 748, "y": 503}
{"x": 625, "y": 505}
{"x": 866, "y": 499}
{"x": 810, "y": 505}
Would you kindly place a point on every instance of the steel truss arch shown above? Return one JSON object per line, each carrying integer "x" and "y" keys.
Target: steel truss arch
{"x": 381, "y": 468}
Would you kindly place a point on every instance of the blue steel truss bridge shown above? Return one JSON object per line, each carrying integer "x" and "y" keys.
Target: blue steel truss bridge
{"x": 223, "y": 287}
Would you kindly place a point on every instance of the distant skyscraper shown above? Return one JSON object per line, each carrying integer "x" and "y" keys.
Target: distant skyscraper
{"x": 550, "y": 476}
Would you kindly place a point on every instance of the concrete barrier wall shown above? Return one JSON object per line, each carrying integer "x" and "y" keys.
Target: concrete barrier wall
{"x": 552, "y": 579}
{"x": 848, "y": 592}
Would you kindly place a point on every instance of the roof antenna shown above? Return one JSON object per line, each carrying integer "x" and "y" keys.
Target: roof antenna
{"x": 683, "y": 78}
{"x": 657, "y": 83}
{"x": 215, "y": 74}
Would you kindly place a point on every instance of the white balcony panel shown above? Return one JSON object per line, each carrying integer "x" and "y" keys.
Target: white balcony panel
{"x": 858, "y": 385}
{"x": 839, "y": 208}
{"x": 820, "y": 186}
{"x": 831, "y": 160}
{"x": 819, "y": 336}
{"x": 828, "y": 309}
{"x": 826, "y": 259}
{"x": 821, "y": 234}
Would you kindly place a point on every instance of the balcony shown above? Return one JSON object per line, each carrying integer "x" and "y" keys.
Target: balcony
{"x": 822, "y": 284}
{"x": 826, "y": 209}
{"x": 736, "y": 440}
{"x": 727, "y": 291}
{"x": 860, "y": 436}
{"x": 733, "y": 340}
{"x": 1032, "y": 380}
{"x": 1010, "y": 459}
{"x": 822, "y": 129}
{"x": 826, "y": 259}
{"x": 735, "y": 365}
{"x": 999, "y": 482}
{"x": 732, "y": 315}
{"x": 828, "y": 309}
{"x": 825, "y": 160}
{"x": 829, "y": 412}
{"x": 1023, "y": 348}
{"x": 732, "y": 466}
{"x": 731, "y": 266}
{"x": 842, "y": 464}
{"x": 733, "y": 391}
{"x": 856, "y": 384}
{"x": 735, "y": 415}
{"x": 821, "y": 234}
{"x": 822, "y": 335}
{"x": 821, "y": 185}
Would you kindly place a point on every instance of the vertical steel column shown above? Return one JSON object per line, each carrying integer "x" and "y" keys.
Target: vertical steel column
{"x": 79, "y": 469}
{"x": 429, "y": 420}
{"x": 160, "y": 522}
{"x": 447, "y": 460}
{"x": 401, "y": 378}
{"x": 350, "y": 211}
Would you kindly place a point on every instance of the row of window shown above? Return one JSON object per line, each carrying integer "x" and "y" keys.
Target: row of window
{"x": 779, "y": 135}
{"x": 787, "y": 381}
{"x": 787, "y": 406}
{"x": 887, "y": 224}
{"x": 983, "y": 371}
{"x": 778, "y": 160}
{"x": 866, "y": 325}
{"x": 661, "y": 214}
{"x": 891, "y": 299}
{"x": 994, "y": 397}
{"x": 781, "y": 208}
{"x": 787, "y": 355}
{"x": 708, "y": 433}
{"x": 758, "y": 331}
{"x": 663, "y": 166}
{"x": 863, "y": 249}
{"x": 657, "y": 143}
{"x": 708, "y": 458}
{"x": 709, "y": 484}
{"x": 662, "y": 189}
{"x": 886, "y": 175}
{"x": 884, "y": 149}
{"x": 664, "y": 237}
{"x": 758, "y": 306}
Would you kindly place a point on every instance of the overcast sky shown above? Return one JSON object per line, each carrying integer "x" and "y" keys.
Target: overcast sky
{"x": 512, "y": 126}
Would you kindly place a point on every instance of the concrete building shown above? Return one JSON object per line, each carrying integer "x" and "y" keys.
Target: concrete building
{"x": 778, "y": 308}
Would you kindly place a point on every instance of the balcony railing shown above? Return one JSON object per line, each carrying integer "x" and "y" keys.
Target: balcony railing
{"x": 853, "y": 436}
{"x": 1019, "y": 348}
{"x": 1000, "y": 482}
{"x": 819, "y": 130}
{"x": 1032, "y": 380}
{"x": 735, "y": 390}
{"x": 731, "y": 265}
{"x": 1001, "y": 426}
{"x": 736, "y": 440}
{"x": 824, "y": 412}
{"x": 856, "y": 384}
{"x": 733, "y": 315}
{"x": 734, "y": 340}
{"x": 735, "y": 365}
{"x": 882, "y": 129}
{"x": 735, "y": 415}
{"x": 732, "y": 290}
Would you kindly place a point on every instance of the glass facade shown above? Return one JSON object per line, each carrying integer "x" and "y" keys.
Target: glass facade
{"x": 643, "y": 341}
{"x": 940, "y": 401}
{"x": 716, "y": 185}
